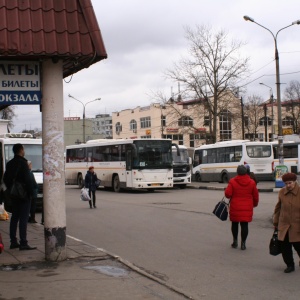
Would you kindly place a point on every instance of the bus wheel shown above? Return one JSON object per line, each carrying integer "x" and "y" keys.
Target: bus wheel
{"x": 116, "y": 184}
{"x": 80, "y": 181}
{"x": 225, "y": 178}
{"x": 198, "y": 177}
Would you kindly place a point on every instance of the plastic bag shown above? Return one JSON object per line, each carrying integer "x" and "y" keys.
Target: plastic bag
{"x": 3, "y": 214}
{"x": 84, "y": 196}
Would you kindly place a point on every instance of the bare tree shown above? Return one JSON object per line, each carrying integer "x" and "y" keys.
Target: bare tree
{"x": 8, "y": 113}
{"x": 292, "y": 91}
{"x": 253, "y": 115}
{"x": 211, "y": 69}
{"x": 292, "y": 103}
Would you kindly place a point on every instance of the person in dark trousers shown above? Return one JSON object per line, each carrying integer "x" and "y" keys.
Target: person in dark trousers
{"x": 90, "y": 183}
{"x": 243, "y": 195}
{"x": 286, "y": 219}
{"x": 251, "y": 174}
{"x": 34, "y": 196}
{"x": 17, "y": 169}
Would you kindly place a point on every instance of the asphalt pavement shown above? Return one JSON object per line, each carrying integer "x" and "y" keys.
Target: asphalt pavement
{"x": 88, "y": 273}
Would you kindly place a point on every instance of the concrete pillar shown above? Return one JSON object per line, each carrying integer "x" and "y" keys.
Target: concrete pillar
{"x": 53, "y": 161}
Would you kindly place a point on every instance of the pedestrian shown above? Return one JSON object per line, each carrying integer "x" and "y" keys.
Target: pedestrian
{"x": 243, "y": 195}
{"x": 286, "y": 219}
{"x": 90, "y": 182}
{"x": 34, "y": 195}
{"x": 251, "y": 174}
{"x": 17, "y": 169}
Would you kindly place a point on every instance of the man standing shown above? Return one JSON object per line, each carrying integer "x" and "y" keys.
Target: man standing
{"x": 17, "y": 169}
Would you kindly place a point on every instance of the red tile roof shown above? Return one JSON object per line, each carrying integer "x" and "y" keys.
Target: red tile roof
{"x": 65, "y": 29}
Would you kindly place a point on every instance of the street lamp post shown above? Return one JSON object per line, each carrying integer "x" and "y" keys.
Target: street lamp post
{"x": 280, "y": 136}
{"x": 272, "y": 102}
{"x": 83, "y": 115}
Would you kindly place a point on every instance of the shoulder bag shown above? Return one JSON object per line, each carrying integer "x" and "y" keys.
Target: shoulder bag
{"x": 17, "y": 190}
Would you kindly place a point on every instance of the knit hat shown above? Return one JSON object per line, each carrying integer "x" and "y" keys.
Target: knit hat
{"x": 241, "y": 170}
{"x": 247, "y": 167}
{"x": 289, "y": 177}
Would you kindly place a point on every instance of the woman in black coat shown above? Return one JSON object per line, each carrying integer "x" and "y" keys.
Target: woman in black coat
{"x": 90, "y": 183}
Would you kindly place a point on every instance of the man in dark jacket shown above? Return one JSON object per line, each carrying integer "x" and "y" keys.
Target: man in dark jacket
{"x": 17, "y": 169}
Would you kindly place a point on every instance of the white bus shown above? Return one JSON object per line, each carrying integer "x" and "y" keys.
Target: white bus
{"x": 218, "y": 162}
{"x": 122, "y": 163}
{"x": 33, "y": 152}
{"x": 290, "y": 155}
{"x": 181, "y": 166}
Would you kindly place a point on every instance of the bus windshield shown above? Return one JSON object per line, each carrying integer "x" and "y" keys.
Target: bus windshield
{"x": 153, "y": 154}
{"x": 182, "y": 158}
{"x": 258, "y": 151}
{"x": 32, "y": 152}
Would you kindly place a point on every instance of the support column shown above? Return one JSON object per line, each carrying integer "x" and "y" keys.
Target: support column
{"x": 53, "y": 161}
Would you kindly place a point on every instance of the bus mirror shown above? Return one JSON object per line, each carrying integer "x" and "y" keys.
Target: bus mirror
{"x": 177, "y": 148}
{"x": 190, "y": 160}
{"x": 134, "y": 150}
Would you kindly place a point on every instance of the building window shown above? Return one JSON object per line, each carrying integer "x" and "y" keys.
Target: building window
{"x": 225, "y": 126}
{"x": 145, "y": 136}
{"x": 262, "y": 121}
{"x": 287, "y": 121}
{"x": 185, "y": 121}
{"x": 163, "y": 121}
{"x": 174, "y": 137}
{"x": 118, "y": 128}
{"x": 206, "y": 121}
{"x": 133, "y": 125}
{"x": 194, "y": 138}
{"x": 145, "y": 122}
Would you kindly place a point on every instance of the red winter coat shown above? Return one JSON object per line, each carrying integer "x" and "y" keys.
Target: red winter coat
{"x": 244, "y": 196}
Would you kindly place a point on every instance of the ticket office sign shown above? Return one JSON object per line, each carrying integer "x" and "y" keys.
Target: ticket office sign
{"x": 20, "y": 82}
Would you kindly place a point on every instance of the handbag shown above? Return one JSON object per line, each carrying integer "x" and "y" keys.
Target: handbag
{"x": 17, "y": 190}
{"x": 274, "y": 246}
{"x": 97, "y": 183}
{"x": 221, "y": 210}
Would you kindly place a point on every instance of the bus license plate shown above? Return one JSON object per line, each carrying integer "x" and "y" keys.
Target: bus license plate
{"x": 155, "y": 184}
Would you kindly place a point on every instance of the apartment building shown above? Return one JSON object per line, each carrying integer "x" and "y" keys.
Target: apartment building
{"x": 188, "y": 122}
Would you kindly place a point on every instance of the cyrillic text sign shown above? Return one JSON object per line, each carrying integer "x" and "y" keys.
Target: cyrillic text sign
{"x": 20, "y": 82}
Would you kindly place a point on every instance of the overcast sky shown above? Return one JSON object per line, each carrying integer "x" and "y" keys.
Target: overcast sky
{"x": 143, "y": 38}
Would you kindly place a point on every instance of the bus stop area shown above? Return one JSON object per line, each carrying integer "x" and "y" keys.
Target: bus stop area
{"x": 87, "y": 273}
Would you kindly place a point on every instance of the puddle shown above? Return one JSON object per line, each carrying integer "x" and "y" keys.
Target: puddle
{"x": 108, "y": 270}
{"x": 11, "y": 268}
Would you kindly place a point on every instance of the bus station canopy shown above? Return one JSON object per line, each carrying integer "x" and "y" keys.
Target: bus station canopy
{"x": 56, "y": 29}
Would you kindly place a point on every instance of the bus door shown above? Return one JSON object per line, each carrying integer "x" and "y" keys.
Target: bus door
{"x": 129, "y": 162}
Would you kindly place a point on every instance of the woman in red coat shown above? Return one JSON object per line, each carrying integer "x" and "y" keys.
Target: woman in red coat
{"x": 243, "y": 195}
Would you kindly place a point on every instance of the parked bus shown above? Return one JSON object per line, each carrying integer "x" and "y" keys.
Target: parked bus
{"x": 33, "y": 153}
{"x": 218, "y": 162}
{"x": 181, "y": 166}
{"x": 122, "y": 163}
{"x": 290, "y": 155}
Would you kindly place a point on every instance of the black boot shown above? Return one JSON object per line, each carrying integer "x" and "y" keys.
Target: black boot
{"x": 94, "y": 204}
{"x": 243, "y": 246}
{"x": 235, "y": 243}
{"x": 289, "y": 269}
{"x": 90, "y": 202}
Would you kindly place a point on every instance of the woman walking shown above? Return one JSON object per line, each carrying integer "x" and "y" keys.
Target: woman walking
{"x": 287, "y": 219}
{"x": 90, "y": 182}
{"x": 243, "y": 195}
